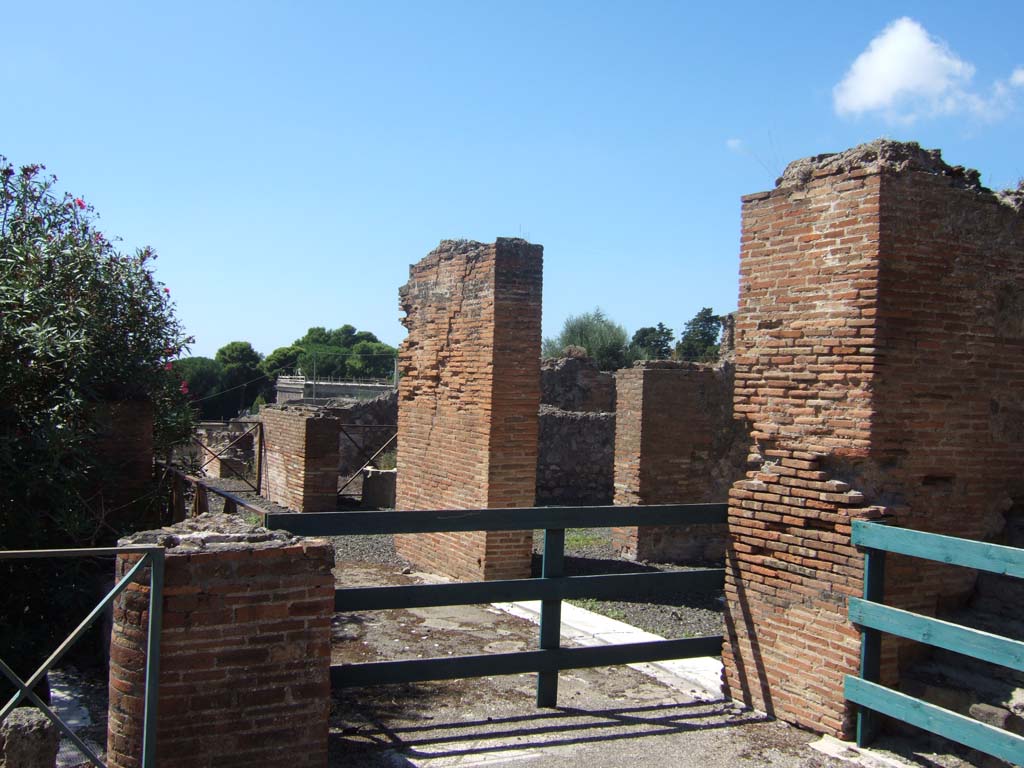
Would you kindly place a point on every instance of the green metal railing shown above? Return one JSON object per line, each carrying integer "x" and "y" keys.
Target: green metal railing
{"x": 874, "y": 619}
{"x": 154, "y": 558}
{"x": 551, "y": 588}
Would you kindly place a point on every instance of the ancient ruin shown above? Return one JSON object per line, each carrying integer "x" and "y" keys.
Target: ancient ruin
{"x": 245, "y": 648}
{"x": 879, "y": 355}
{"x": 468, "y": 399}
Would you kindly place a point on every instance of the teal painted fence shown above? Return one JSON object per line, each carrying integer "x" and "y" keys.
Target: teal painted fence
{"x": 874, "y": 618}
{"x": 151, "y": 557}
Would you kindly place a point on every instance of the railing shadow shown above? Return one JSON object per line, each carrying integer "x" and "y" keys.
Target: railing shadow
{"x": 457, "y": 739}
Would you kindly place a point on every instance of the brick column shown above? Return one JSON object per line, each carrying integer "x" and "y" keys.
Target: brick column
{"x": 671, "y": 436}
{"x": 245, "y": 649}
{"x": 468, "y": 399}
{"x": 122, "y": 442}
{"x": 301, "y": 455}
{"x": 879, "y": 357}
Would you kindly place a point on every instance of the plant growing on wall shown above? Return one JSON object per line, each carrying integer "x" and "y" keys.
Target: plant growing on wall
{"x": 604, "y": 339}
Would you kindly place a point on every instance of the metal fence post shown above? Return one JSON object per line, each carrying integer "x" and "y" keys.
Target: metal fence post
{"x": 552, "y": 567}
{"x": 871, "y": 643}
{"x": 156, "y": 608}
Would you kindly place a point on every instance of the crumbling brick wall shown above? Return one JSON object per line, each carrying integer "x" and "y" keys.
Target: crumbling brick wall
{"x": 244, "y": 652}
{"x": 301, "y": 458}
{"x": 468, "y": 399}
{"x": 879, "y": 356}
{"x": 675, "y": 442}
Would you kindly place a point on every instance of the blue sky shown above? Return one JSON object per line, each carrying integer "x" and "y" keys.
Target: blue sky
{"x": 289, "y": 161}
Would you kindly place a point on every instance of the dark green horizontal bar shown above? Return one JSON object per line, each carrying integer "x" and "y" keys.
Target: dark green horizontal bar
{"x": 29, "y": 554}
{"x": 965, "y": 730}
{"x": 606, "y": 587}
{"x": 456, "y": 667}
{"x": 525, "y": 519}
{"x": 981, "y": 555}
{"x": 942, "y": 634}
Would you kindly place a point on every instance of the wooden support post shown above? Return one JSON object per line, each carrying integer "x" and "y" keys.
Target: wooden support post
{"x": 230, "y": 508}
{"x": 259, "y": 460}
{"x": 553, "y": 567}
{"x": 177, "y": 498}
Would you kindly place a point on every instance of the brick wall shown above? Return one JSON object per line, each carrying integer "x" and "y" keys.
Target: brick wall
{"x": 122, "y": 442}
{"x": 878, "y": 342}
{"x": 301, "y": 459}
{"x": 675, "y": 442}
{"x": 468, "y": 399}
{"x": 245, "y": 649}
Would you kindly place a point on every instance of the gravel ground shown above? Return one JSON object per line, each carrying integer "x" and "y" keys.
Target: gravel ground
{"x": 588, "y": 552}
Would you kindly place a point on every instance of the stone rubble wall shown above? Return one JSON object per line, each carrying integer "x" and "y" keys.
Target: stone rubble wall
{"x": 576, "y": 384}
{"x": 575, "y": 457}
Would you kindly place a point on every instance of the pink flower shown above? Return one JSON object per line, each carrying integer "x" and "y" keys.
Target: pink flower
{"x": 184, "y": 387}
{"x": 167, "y": 291}
{"x": 168, "y": 366}
{"x": 80, "y": 202}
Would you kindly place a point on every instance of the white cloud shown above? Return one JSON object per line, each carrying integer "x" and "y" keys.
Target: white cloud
{"x": 906, "y": 74}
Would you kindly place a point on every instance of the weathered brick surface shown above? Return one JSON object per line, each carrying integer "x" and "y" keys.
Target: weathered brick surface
{"x": 301, "y": 458}
{"x": 675, "y": 442}
{"x": 245, "y": 649}
{"x": 468, "y": 399}
{"x": 879, "y": 355}
{"x": 122, "y": 442}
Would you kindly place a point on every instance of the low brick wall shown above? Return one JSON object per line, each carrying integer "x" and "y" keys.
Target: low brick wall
{"x": 301, "y": 470}
{"x": 245, "y": 649}
{"x": 675, "y": 443}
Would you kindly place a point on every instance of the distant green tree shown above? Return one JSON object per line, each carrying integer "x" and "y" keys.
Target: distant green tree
{"x": 699, "y": 341}
{"x": 282, "y": 361}
{"x": 243, "y": 379}
{"x": 323, "y": 361}
{"x": 605, "y": 340}
{"x": 371, "y": 360}
{"x": 204, "y": 380}
{"x": 653, "y": 343}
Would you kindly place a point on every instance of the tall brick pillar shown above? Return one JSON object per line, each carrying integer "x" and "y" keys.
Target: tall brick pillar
{"x": 879, "y": 355}
{"x": 468, "y": 399}
{"x": 301, "y": 454}
{"x": 671, "y": 420}
{"x": 245, "y": 650}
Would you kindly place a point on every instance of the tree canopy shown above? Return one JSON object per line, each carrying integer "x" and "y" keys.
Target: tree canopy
{"x": 699, "y": 341}
{"x": 653, "y": 342}
{"x": 604, "y": 340}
